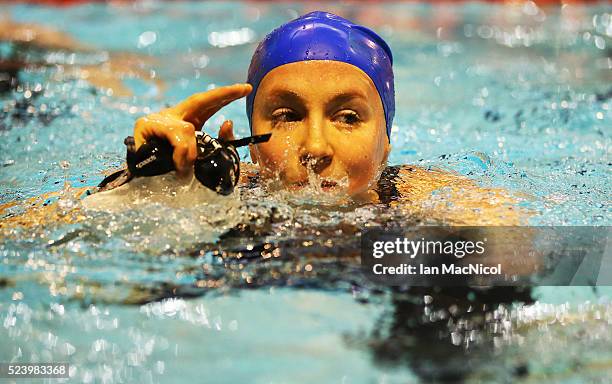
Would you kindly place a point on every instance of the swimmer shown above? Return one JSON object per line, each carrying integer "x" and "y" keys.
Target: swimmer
{"x": 28, "y": 38}
{"x": 324, "y": 88}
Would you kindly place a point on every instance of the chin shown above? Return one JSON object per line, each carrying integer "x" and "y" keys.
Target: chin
{"x": 356, "y": 192}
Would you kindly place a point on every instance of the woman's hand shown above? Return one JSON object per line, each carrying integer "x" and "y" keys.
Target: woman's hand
{"x": 178, "y": 124}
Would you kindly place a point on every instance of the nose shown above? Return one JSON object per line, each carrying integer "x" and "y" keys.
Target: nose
{"x": 316, "y": 153}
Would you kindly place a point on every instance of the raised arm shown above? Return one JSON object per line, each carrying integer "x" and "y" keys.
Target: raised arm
{"x": 178, "y": 124}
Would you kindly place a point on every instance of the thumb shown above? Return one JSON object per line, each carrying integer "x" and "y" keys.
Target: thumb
{"x": 226, "y": 132}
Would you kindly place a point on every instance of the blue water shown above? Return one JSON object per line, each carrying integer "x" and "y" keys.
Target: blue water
{"x": 511, "y": 96}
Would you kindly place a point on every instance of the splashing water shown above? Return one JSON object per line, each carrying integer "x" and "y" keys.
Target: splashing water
{"x": 169, "y": 280}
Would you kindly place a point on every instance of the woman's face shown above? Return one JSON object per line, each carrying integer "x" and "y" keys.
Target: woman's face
{"x": 326, "y": 119}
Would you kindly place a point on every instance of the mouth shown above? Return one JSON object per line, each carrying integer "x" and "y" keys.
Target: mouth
{"x": 326, "y": 185}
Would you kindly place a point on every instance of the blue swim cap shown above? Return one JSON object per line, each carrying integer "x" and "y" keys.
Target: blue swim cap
{"x": 325, "y": 36}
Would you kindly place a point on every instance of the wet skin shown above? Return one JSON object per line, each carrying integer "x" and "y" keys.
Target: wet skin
{"x": 107, "y": 74}
{"x": 313, "y": 109}
{"x": 325, "y": 117}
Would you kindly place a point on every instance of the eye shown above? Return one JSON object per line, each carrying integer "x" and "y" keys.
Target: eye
{"x": 285, "y": 115}
{"x": 348, "y": 117}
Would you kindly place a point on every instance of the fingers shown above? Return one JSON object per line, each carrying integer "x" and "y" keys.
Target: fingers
{"x": 144, "y": 128}
{"x": 177, "y": 124}
{"x": 155, "y": 125}
{"x": 200, "y": 107}
{"x": 226, "y": 132}
{"x": 180, "y": 134}
{"x": 184, "y": 154}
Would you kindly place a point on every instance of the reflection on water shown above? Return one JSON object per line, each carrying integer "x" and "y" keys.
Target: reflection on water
{"x": 265, "y": 286}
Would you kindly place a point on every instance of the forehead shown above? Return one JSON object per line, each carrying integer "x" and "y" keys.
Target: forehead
{"x": 318, "y": 79}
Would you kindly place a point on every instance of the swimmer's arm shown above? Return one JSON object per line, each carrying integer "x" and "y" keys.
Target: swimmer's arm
{"x": 178, "y": 124}
{"x": 108, "y": 74}
{"x": 38, "y": 36}
{"x": 456, "y": 200}
{"x": 35, "y": 211}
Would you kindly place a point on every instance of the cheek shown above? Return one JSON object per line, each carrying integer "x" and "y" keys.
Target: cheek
{"x": 361, "y": 168}
{"x": 279, "y": 153}
{"x": 362, "y": 158}
{"x": 361, "y": 148}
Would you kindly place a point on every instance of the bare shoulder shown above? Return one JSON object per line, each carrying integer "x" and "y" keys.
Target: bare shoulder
{"x": 455, "y": 199}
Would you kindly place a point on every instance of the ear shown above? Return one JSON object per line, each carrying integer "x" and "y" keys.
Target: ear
{"x": 254, "y": 154}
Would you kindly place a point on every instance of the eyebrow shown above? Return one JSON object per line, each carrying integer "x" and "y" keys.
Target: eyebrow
{"x": 346, "y": 97}
{"x": 287, "y": 95}
{"x": 291, "y": 96}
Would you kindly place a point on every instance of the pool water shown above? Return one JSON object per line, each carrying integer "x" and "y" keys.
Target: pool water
{"x": 263, "y": 287}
